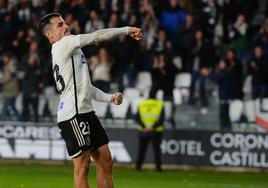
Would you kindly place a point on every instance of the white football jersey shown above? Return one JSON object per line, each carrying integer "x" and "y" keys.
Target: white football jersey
{"x": 72, "y": 78}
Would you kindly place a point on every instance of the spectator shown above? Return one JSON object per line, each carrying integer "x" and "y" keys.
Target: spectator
{"x": 79, "y": 9}
{"x": 113, "y": 21}
{"x": 186, "y": 40}
{"x": 94, "y": 23}
{"x": 260, "y": 38}
{"x": 236, "y": 66}
{"x": 229, "y": 13}
{"x": 104, "y": 8}
{"x": 163, "y": 76}
{"x": 162, "y": 45}
{"x": 101, "y": 70}
{"x": 224, "y": 77}
{"x": 238, "y": 38}
{"x": 150, "y": 119}
{"x": 202, "y": 61}
{"x": 172, "y": 17}
{"x": 149, "y": 24}
{"x": 10, "y": 87}
{"x": 209, "y": 17}
{"x": 259, "y": 70}
{"x": 127, "y": 10}
{"x": 125, "y": 55}
{"x": 24, "y": 11}
{"x": 31, "y": 85}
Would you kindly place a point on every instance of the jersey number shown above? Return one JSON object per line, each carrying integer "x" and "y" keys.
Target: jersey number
{"x": 59, "y": 79}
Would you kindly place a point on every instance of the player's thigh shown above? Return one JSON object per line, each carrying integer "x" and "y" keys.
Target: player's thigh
{"x": 102, "y": 155}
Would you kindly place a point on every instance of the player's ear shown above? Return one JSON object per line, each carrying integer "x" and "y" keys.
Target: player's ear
{"x": 49, "y": 35}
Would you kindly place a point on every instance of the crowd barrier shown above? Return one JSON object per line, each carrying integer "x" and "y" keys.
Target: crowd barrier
{"x": 24, "y": 141}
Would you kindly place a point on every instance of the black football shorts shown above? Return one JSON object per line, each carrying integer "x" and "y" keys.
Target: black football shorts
{"x": 83, "y": 132}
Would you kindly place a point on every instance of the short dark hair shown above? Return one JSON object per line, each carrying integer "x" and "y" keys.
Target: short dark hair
{"x": 45, "y": 20}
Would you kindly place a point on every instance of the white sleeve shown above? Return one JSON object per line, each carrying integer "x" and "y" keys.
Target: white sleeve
{"x": 102, "y": 35}
{"x": 99, "y": 95}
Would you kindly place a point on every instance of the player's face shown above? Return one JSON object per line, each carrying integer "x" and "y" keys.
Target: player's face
{"x": 59, "y": 29}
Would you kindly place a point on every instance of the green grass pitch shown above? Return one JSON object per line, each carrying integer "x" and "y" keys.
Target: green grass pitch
{"x": 60, "y": 176}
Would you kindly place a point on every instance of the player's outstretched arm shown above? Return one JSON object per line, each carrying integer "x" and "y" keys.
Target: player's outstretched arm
{"x": 103, "y": 35}
{"x": 98, "y": 95}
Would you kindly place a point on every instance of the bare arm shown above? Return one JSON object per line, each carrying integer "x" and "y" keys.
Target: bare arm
{"x": 103, "y": 35}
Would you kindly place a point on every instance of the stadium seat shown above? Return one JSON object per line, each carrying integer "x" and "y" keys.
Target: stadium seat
{"x": 18, "y": 103}
{"x": 131, "y": 93}
{"x": 182, "y": 80}
{"x": 247, "y": 87}
{"x": 144, "y": 82}
{"x": 134, "y": 105}
{"x": 168, "y": 110}
{"x": 53, "y": 104}
{"x": 120, "y": 111}
{"x": 250, "y": 110}
{"x": 183, "y": 83}
{"x": 263, "y": 106}
{"x": 177, "y": 61}
{"x": 160, "y": 94}
{"x": 100, "y": 108}
{"x": 235, "y": 110}
{"x": 41, "y": 104}
{"x": 177, "y": 96}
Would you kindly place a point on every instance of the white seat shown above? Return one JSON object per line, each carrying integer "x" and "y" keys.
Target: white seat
{"x": 235, "y": 110}
{"x": 160, "y": 94}
{"x": 168, "y": 109}
{"x": 134, "y": 105}
{"x": 131, "y": 93}
{"x": 120, "y": 111}
{"x": 133, "y": 96}
{"x": 177, "y": 61}
{"x": 182, "y": 80}
{"x": 18, "y": 103}
{"x": 247, "y": 86}
{"x": 53, "y": 103}
{"x": 100, "y": 108}
{"x": 264, "y": 105}
{"x": 144, "y": 82}
{"x": 250, "y": 110}
{"x": 177, "y": 97}
{"x": 262, "y": 113}
{"x": 41, "y": 104}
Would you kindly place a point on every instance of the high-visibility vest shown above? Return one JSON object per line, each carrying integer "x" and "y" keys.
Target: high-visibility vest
{"x": 150, "y": 111}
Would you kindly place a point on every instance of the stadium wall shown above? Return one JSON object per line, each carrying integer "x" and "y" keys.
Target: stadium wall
{"x": 24, "y": 141}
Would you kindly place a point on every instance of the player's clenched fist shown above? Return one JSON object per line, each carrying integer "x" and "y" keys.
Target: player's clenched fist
{"x": 135, "y": 33}
{"x": 117, "y": 98}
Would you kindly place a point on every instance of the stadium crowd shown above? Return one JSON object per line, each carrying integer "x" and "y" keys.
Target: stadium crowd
{"x": 224, "y": 40}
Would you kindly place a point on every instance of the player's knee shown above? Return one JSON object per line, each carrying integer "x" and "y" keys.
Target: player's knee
{"x": 110, "y": 163}
{"x": 107, "y": 165}
{"x": 81, "y": 170}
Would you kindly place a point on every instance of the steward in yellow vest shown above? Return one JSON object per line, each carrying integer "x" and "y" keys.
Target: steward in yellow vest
{"x": 151, "y": 116}
{"x": 150, "y": 119}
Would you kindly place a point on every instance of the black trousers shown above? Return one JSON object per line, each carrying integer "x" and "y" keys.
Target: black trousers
{"x": 28, "y": 101}
{"x": 225, "y": 122}
{"x": 142, "y": 147}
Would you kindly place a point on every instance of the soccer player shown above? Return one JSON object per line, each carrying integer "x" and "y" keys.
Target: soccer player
{"x": 84, "y": 135}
